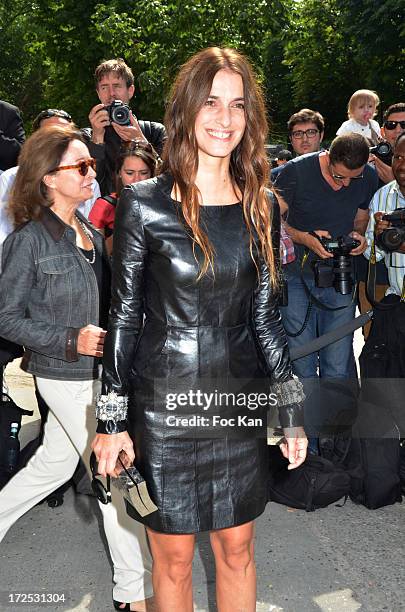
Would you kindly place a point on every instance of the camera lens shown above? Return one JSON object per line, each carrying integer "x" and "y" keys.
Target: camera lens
{"x": 120, "y": 115}
{"x": 342, "y": 282}
{"x": 383, "y": 148}
{"x": 392, "y": 238}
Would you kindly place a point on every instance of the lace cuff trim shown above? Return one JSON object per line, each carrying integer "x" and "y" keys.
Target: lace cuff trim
{"x": 111, "y": 407}
{"x": 289, "y": 392}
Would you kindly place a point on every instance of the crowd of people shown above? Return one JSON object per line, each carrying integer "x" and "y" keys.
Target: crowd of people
{"x": 163, "y": 250}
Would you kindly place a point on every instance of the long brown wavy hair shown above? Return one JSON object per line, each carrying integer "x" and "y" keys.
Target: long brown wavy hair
{"x": 249, "y": 168}
{"x": 40, "y": 155}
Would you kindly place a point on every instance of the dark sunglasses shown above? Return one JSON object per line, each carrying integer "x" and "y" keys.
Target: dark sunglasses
{"x": 391, "y": 125}
{"x": 339, "y": 177}
{"x": 82, "y": 167}
{"x": 103, "y": 494}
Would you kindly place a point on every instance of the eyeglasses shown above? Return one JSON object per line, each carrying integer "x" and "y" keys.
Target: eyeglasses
{"x": 311, "y": 133}
{"x": 103, "y": 494}
{"x": 391, "y": 125}
{"x": 82, "y": 167}
{"x": 339, "y": 177}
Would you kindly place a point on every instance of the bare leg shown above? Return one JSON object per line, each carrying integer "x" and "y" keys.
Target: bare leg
{"x": 233, "y": 549}
{"x": 172, "y": 570}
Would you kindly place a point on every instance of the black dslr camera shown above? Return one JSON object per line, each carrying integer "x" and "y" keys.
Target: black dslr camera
{"x": 339, "y": 274}
{"x": 392, "y": 237}
{"x": 118, "y": 112}
{"x": 383, "y": 151}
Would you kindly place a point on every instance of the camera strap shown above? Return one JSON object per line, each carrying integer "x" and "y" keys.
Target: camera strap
{"x": 314, "y": 300}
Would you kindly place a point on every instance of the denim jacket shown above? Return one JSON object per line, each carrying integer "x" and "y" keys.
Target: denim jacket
{"x": 48, "y": 291}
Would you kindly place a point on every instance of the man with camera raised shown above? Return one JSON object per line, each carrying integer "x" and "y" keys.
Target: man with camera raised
{"x": 113, "y": 123}
{"x": 326, "y": 196}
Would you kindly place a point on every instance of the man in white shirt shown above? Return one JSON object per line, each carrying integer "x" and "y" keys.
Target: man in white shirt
{"x": 387, "y": 199}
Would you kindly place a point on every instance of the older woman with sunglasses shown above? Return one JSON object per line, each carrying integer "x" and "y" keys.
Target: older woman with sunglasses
{"x": 54, "y": 299}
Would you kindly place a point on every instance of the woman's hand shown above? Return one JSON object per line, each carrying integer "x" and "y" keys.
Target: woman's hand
{"x": 294, "y": 446}
{"x": 107, "y": 447}
{"x": 91, "y": 341}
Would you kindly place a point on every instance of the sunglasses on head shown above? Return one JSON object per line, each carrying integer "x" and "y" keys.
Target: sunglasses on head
{"x": 391, "y": 125}
{"x": 82, "y": 167}
{"x": 134, "y": 145}
{"x": 102, "y": 493}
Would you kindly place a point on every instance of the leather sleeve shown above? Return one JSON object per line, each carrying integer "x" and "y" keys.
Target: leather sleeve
{"x": 127, "y": 294}
{"x": 155, "y": 133}
{"x": 12, "y": 136}
{"x": 270, "y": 332}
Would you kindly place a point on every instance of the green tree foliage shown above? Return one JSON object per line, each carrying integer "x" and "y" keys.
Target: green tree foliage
{"x": 305, "y": 52}
{"x": 379, "y": 31}
{"x": 338, "y": 46}
{"x": 22, "y": 71}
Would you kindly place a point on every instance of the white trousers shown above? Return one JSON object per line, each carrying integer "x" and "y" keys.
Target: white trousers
{"x": 69, "y": 431}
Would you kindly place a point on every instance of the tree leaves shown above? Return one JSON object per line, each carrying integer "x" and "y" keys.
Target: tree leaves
{"x": 305, "y": 52}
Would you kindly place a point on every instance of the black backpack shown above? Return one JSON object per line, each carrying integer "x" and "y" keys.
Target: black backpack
{"x": 381, "y": 415}
{"x": 317, "y": 483}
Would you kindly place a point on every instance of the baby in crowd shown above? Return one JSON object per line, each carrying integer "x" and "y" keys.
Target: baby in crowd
{"x": 361, "y": 109}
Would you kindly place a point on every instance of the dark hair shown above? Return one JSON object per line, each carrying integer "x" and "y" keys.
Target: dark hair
{"x": 40, "y": 155}
{"x": 351, "y": 150}
{"x": 114, "y": 65}
{"x": 306, "y": 115}
{"x": 48, "y": 114}
{"x": 137, "y": 148}
{"x": 249, "y": 168}
{"x": 284, "y": 154}
{"x": 399, "y": 107}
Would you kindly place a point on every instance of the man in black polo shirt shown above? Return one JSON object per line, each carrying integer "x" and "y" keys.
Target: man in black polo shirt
{"x": 326, "y": 193}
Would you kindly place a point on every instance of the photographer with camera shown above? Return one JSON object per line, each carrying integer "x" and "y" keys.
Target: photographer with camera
{"x": 381, "y": 158}
{"x": 113, "y": 123}
{"x": 327, "y": 195}
{"x": 393, "y": 126}
{"x": 387, "y": 221}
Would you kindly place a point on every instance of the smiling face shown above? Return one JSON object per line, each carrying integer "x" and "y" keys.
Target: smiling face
{"x": 113, "y": 87}
{"x": 134, "y": 170}
{"x": 220, "y": 123}
{"x": 69, "y": 187}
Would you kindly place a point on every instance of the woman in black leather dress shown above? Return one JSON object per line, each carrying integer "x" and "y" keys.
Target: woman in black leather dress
{"x": 194, "y": 307}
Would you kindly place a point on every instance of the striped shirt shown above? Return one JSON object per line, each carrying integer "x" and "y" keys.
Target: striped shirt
{"x": 387, "y": 199}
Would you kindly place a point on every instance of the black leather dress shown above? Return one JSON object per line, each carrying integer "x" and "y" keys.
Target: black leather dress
{"x": 169, "y": 333}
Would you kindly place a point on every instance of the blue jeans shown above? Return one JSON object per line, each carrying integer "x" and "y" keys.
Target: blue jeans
{"x": 335, "y": 361}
